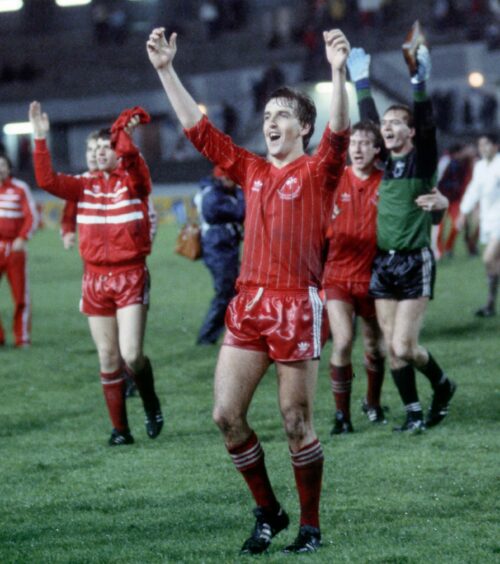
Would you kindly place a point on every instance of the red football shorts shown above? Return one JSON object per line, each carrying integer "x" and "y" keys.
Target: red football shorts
{"x": 354, "y": 293}
{"x": 287, "y": 325}
{"x": 104, "y": 290}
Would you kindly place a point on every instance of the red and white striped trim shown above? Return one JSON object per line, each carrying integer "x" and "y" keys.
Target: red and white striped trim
{"x": 307, "y": 455}
{"x": 100, "y": 219}
{"x": 249, "y": 458}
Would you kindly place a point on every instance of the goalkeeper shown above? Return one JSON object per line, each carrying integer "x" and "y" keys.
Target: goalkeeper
{"x": 403, "y": 271}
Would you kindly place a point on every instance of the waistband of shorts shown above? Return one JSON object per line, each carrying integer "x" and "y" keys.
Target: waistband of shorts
{"x": 115, "y": 268}
{"x": 246, "y": 289}
{"x": 401, "y": 251}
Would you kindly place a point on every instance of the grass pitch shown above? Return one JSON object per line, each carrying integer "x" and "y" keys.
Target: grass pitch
{"x": 68, "y": 497}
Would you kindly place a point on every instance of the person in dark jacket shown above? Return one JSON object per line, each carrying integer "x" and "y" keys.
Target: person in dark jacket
{"x": 221, "y": 208}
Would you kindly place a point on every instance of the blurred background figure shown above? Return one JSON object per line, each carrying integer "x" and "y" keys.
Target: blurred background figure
{"x": 456, "y": 173}
{"x": 18, "y": 222}
{"x": 221, "y": 208}
{"x": 484, "y": 189}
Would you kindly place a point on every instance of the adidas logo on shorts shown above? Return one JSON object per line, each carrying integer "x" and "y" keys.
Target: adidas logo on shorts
{"x": 303, "y": 346}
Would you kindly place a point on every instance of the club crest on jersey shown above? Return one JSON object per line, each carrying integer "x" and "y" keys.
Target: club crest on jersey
{"x": 257, "y": 185}
{"x": 290, "y": 190}
{"x": 345, "y": 197}
{"x": 398, "y": 169}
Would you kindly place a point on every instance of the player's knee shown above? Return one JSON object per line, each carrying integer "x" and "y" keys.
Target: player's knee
{"x": 295, "y": 422}
{"x": 225, "y": 420}
{"x": 109, "y": 359}
{"x": 133, "y": 358}
{"x": 404, "y": 350}
{"x": 342, "y": 348}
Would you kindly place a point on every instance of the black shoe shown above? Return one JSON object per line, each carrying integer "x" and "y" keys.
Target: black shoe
{"x": 154, "y": 422}
{"x": 267, "y": 526}
{"x": 342, "y": 425}
{"x": 486, "y": 311}
{"x": 413, "y": 425}
{"x": 308, "y": 540}
{"x": 130, "y": 388}
{"x": 374, "y": 414}
{"x": 120, "y": 438}
{"x": 440, "y": 403}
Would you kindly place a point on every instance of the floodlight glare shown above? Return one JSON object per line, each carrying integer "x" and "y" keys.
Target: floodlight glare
{"x": 18, "y": 128}
{"x": 70, "y": 3}
{"x": 11, "y": 5}
{"x": 323, "y": 87}
{"x": 476, "y": 79}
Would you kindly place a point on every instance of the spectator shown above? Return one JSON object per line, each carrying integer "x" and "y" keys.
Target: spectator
{"x": 221, "y": 208}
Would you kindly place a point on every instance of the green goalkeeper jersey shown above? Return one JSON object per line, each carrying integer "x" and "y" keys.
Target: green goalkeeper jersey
{"x": 401, "y": 224}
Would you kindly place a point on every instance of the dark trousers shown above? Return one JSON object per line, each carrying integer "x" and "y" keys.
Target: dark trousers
{"x": 224, "y": 271}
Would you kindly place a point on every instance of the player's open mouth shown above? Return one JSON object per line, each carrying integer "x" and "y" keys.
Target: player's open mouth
{"x": 274, "y": 137}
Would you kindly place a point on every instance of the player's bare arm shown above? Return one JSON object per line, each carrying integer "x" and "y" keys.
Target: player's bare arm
{"x": 337, "y": 50}
{"x": 39, "y": 120}
{"x": 161, "y": 53}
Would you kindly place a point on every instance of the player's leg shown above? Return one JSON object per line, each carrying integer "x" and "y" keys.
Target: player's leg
{"x": 374, "y": 362}
{"x": 237, "y": 376}
{"x": 409, "y": 318}
{"x": 402, "y": 371}
{"x": 340, "y": 317}
{"x": 491, "y": 260}
{"x": 297, "y": 387}
{"x": 17, "y": 276}
{"x": 3, "y": 266}
{"x": 131, "y": 322}
{"x": 104, "y": 331}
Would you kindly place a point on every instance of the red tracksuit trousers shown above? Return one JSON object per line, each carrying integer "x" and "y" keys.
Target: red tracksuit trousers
{"x": 14, "y": 265}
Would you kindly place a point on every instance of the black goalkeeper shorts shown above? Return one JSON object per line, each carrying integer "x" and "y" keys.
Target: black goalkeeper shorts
{"x": 403, "y": 275}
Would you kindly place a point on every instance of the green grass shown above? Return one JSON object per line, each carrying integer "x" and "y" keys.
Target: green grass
{"x": 67, "y": 497}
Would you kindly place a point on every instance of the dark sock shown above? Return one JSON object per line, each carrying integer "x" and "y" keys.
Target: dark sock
{"x": 308, "y": 470}
{"x": 374, "y": 367}
{"x": 341, "y": 380}
{"x": 405, "y": 381}
{"x": 492, "y": 290}
{"x": 113, "y": 386}
{"x": 144, "y": 381}
{"x": 433, "y": 372}
{"x": 249, "y": 461}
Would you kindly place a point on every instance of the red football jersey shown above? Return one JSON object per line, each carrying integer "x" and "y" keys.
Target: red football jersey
{"x": 352, "y": 230}
{"x": 286, "y": 208}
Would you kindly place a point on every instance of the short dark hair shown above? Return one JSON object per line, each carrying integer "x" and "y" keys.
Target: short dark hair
{"x": 92, "y": 136}
{"x": 491, "y": 136}
{"x": 5, "y": 157}
{"x": 402, "y": 108}
{"x": 306, "y": 110}
{"x": 370, "y": 127}
{"x": 104, "y": 133}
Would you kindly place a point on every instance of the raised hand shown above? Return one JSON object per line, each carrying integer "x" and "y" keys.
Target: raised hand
{"x": 424, "y": 65}
{"x": 39, "y": 120}
{"x": 337, "y": 48}
{"x": 160, "y": 51}
{"x": 132, "y": 124}
{"x": 358, "y": 64}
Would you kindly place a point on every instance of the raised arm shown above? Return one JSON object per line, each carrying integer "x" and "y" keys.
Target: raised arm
{"x": 62, "y": 185}
{"x": 358, "y": 64}
{"x": 337, "y": 50}
{"x": 161, "y": 53}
